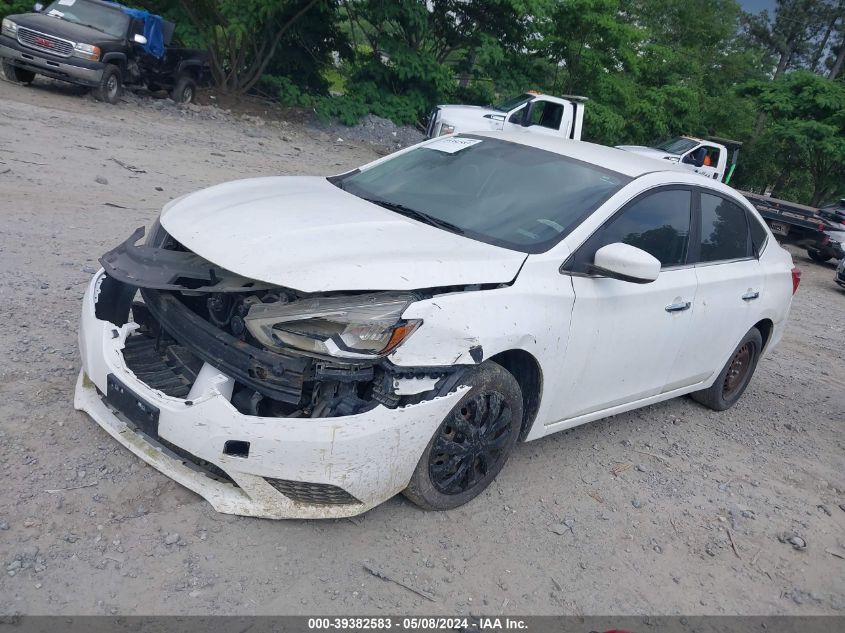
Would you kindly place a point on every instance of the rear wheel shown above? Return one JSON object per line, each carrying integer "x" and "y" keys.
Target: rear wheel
{"x": 185, "y": 90}
{"x": 110, "y": 85}
{"x": 735, "y": 375}
{"x": 20, "y": 75}
{"x": 472, "y": 444}
{"x": 817, "y": 256}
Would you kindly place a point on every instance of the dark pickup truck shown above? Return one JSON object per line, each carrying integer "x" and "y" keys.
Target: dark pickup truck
{"x": 101, "y": 45}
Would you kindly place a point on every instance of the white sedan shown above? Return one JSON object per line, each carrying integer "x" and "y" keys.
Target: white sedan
{"x": 310, "y": 347}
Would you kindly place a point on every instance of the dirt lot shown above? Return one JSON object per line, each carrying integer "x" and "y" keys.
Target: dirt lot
{"x": 671, "y": 509}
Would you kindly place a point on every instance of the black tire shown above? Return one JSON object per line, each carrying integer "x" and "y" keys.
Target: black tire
{"x": 735, "y": 375}
{"x": 20, "y": 75}
{"x": 818, "y": 256}
{"x": 472, "y": 444}
{"x": 185, "y": 90}
{"x": 111, "y": 85}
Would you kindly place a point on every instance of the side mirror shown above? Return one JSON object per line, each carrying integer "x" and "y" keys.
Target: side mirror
{"x": 626, "y": 263}
{"x": 139, "y": 39}
{"x": 38, "y": 7}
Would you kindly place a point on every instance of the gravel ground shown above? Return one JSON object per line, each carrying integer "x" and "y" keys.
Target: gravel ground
{"x": 373, "y": 130}
{"x": 667, "y": 510}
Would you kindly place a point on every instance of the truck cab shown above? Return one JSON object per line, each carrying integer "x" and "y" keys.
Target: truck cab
{"x": 706, "y": 157}
{"x": 531, "y": 111}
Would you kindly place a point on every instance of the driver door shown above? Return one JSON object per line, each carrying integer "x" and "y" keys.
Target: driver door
{"x": 703, "y": 160}
{"x": 625, "y": 337}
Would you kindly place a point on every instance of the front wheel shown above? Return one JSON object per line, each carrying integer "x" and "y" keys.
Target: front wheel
{"x": 184, "y": 91}
{"x": 472, "y": 444}
{"x": 19, "y": 75}
{"x": 735, "y": 375}
{"x": 110, "y": 85}
{"x": 818, "y": 256}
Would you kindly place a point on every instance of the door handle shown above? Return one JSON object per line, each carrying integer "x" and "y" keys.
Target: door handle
{"x": 750, "y": 296}
{"x": 678, "y": 307}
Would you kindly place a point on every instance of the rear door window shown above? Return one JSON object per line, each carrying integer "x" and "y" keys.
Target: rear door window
{"x": 724, "y": 230}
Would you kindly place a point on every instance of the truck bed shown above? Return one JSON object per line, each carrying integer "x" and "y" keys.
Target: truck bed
{"x": 789, "y": 219}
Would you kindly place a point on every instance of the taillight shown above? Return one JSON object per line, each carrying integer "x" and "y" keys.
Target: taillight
{"x": 796, "y": 279}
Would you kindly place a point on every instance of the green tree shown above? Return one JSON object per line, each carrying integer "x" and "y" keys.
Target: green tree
{"x": 13, "y": 7}
{"x": 243, "y": 36}
{"x": 803, "y": 148}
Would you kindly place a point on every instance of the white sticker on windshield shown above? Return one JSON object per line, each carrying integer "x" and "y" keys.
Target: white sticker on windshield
{"x": 67, "y": 3}
{"x": 56, "y": 14}
{"x": 452, "y": 144}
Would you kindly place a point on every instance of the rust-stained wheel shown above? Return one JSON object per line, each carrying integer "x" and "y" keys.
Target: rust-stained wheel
{"x": 735, "y": 375}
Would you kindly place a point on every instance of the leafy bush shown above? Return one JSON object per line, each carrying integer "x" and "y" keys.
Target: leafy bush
{"x": 476, "y": 93}
{"x": 286, "y": 91}
{"x": 13, "y": 7}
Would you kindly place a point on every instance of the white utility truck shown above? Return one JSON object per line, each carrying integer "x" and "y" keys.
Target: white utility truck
{"x": 531, "y": 111}
{"x": 708, "y": 157}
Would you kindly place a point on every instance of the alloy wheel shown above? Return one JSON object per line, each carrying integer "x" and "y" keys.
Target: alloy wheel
{"x": 470, "y": 443}
{"x": 111, "y": 87}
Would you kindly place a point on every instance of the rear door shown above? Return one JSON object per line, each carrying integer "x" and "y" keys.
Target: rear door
{"x": 624, "y": 337}
{"x": 731, "y": 285}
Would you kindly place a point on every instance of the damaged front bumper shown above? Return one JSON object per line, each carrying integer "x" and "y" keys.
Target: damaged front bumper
{"x": 253, "y": 465}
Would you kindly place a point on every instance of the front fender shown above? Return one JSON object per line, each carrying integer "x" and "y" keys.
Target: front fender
{"x": 466, "y": 328}
{"x": 115, "y": 58}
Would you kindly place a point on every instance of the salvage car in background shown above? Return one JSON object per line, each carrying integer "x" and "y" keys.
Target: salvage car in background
{"x": 101, "y": 45}
{"x": 309, "y": 347}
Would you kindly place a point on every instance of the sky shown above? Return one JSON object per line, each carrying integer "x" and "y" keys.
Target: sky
{"x": 758, "y": 5}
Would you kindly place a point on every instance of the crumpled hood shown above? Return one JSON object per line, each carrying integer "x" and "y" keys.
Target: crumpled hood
{"x": 307, "y": 234}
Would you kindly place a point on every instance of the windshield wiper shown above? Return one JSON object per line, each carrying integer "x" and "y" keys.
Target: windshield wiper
{"x": 90, "y": 26}
{"x": 425, "y": 218}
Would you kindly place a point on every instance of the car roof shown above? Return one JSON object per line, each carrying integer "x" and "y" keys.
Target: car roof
{"x": 622, "y": 162}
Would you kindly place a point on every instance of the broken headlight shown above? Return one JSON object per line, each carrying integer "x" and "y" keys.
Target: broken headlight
{"x": 362, "y": 326}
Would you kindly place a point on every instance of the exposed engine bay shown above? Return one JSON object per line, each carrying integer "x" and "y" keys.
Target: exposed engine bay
{"x": 290, "y": 354}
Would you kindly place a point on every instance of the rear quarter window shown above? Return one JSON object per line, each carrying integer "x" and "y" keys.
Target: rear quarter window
{"x": 759, "y": 234}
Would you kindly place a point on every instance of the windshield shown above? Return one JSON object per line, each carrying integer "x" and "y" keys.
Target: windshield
{"x": 677, "y": 145}
{"x": 491, "y": 190}
{"x": 514, "y": 102}
{"x": 112, "y": 21}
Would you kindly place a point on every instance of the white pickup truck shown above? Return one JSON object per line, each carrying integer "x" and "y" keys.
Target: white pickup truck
{"x": 531, "y": 111}
{"x": 708, "y": 157}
